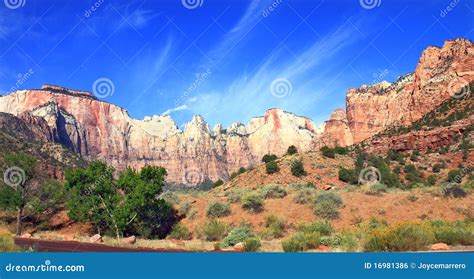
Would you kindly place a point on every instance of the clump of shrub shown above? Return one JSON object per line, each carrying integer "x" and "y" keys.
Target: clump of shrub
{"x": 304, "y": 196}
{"x": 457, "y": 233}
{"x": 252, "y": 202}
{"x": 234, "y": 195}
{"x": 239, "y": 234}
{"x": 272, "y": 167}
{"x": 348, "y": 175}
{"x": 218, "y": 183}
{"x": 274, "y": 227}
{"x": 407, "y": 236}
{"x": 214, "y": 230}
{"x": 297, "y": 168}
{"x": 323, "y": 227}
{"x": 301, "y": 242}
{"x": 377, "y": 189}
{"x": 218, "y": 209}
{"x": 269, "y": 157}
{"x": 273, "y": 191}
{"x": 292, "y": 150}
{"x": 327, "y": 205}
{"x": 455, "y": 176}
{"x": 252, "y": 244}
{"x": 180, "y": 232}
{"x": 331, "y": 152}
{"x": 431, "y": 180}
{"x": 7, "y": 244}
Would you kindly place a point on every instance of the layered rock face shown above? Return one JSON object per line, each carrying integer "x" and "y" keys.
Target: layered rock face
{"x": 101, "y": 131}
{"x": 440, "y": 73}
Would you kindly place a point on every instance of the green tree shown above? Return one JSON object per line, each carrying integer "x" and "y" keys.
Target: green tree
{"x": 269, "y": 157}
{"x": 272, "y": 167}
{"x": 292, "y": 150}
{"x": 297, "y": 168}
{"x": 18, "y": 190}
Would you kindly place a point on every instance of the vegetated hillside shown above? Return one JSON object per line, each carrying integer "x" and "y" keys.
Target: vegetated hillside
{"x": 31, "y": 136}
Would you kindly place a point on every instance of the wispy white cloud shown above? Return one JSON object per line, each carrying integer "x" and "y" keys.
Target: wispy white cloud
{"x": 169, "y": 111}
{"x": 252, "y": 91}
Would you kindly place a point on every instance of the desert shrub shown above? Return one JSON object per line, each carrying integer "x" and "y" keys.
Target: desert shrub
{"x": 407, "y": 236}
{"x": 218, "y": 183}
{"x": 7, "y": 244}
{"x": 272, "y": 167}
{"x": 455, "y": 191}
{"x": 412, "y": 198}
{"x": 180, "y": 232}
{"x": 184, "y": 208}
{"x": 457, "y": 233}
{"x": 469, "y": 184}
{"x": 218, "y": 209}
{"x": 234, "y": 195}
{"x": 455, "y": 176}
{"x": 412, "y": 174}
{"x": 431, "y": 180}
{"x": 241, "y": 170}
{"x": 301, "y": 242}
{"x": 273, "y": 191}
{"x": 269, "y": 157}
{"x": 233, "y": 175}
{"x": 326, "y": 210}
{"x": 252, "y": 202}
{"x": 214, "y": 230}
{"x": 302, "y": 185}
{"x": 274, "y": 227}
{"x": 252, "y": 244}
{"x": 239, "y": 234}
{"x": 328, "y": 152}
{"x": 292, "y": 150}
{"x": 297, "y": 168}
{"x": 348, "y": 175}
{"x": 304, "y": 196}
{"x": 340, "y": 150}
{"x": 331, "y": 197}
{"x": 323, "y": 227}
{"x": 171, "y": 198}
{"x": 377, "y": 189}
{"x": 437, "y": 168}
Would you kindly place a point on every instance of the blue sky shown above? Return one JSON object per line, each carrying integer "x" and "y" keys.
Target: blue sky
{"x": 223, "y": 59}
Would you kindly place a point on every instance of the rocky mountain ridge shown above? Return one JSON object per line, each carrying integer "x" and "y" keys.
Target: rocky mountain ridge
{"x": 98, "y": 130}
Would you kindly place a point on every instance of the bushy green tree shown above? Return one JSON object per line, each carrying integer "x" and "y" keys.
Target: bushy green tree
{"x": 269, "y": 157}
{"x": 297, "y": 168}
{"x": 292, "y": 150}
{"x": 25, "y": 191}
{"x": 272, "y": 167}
